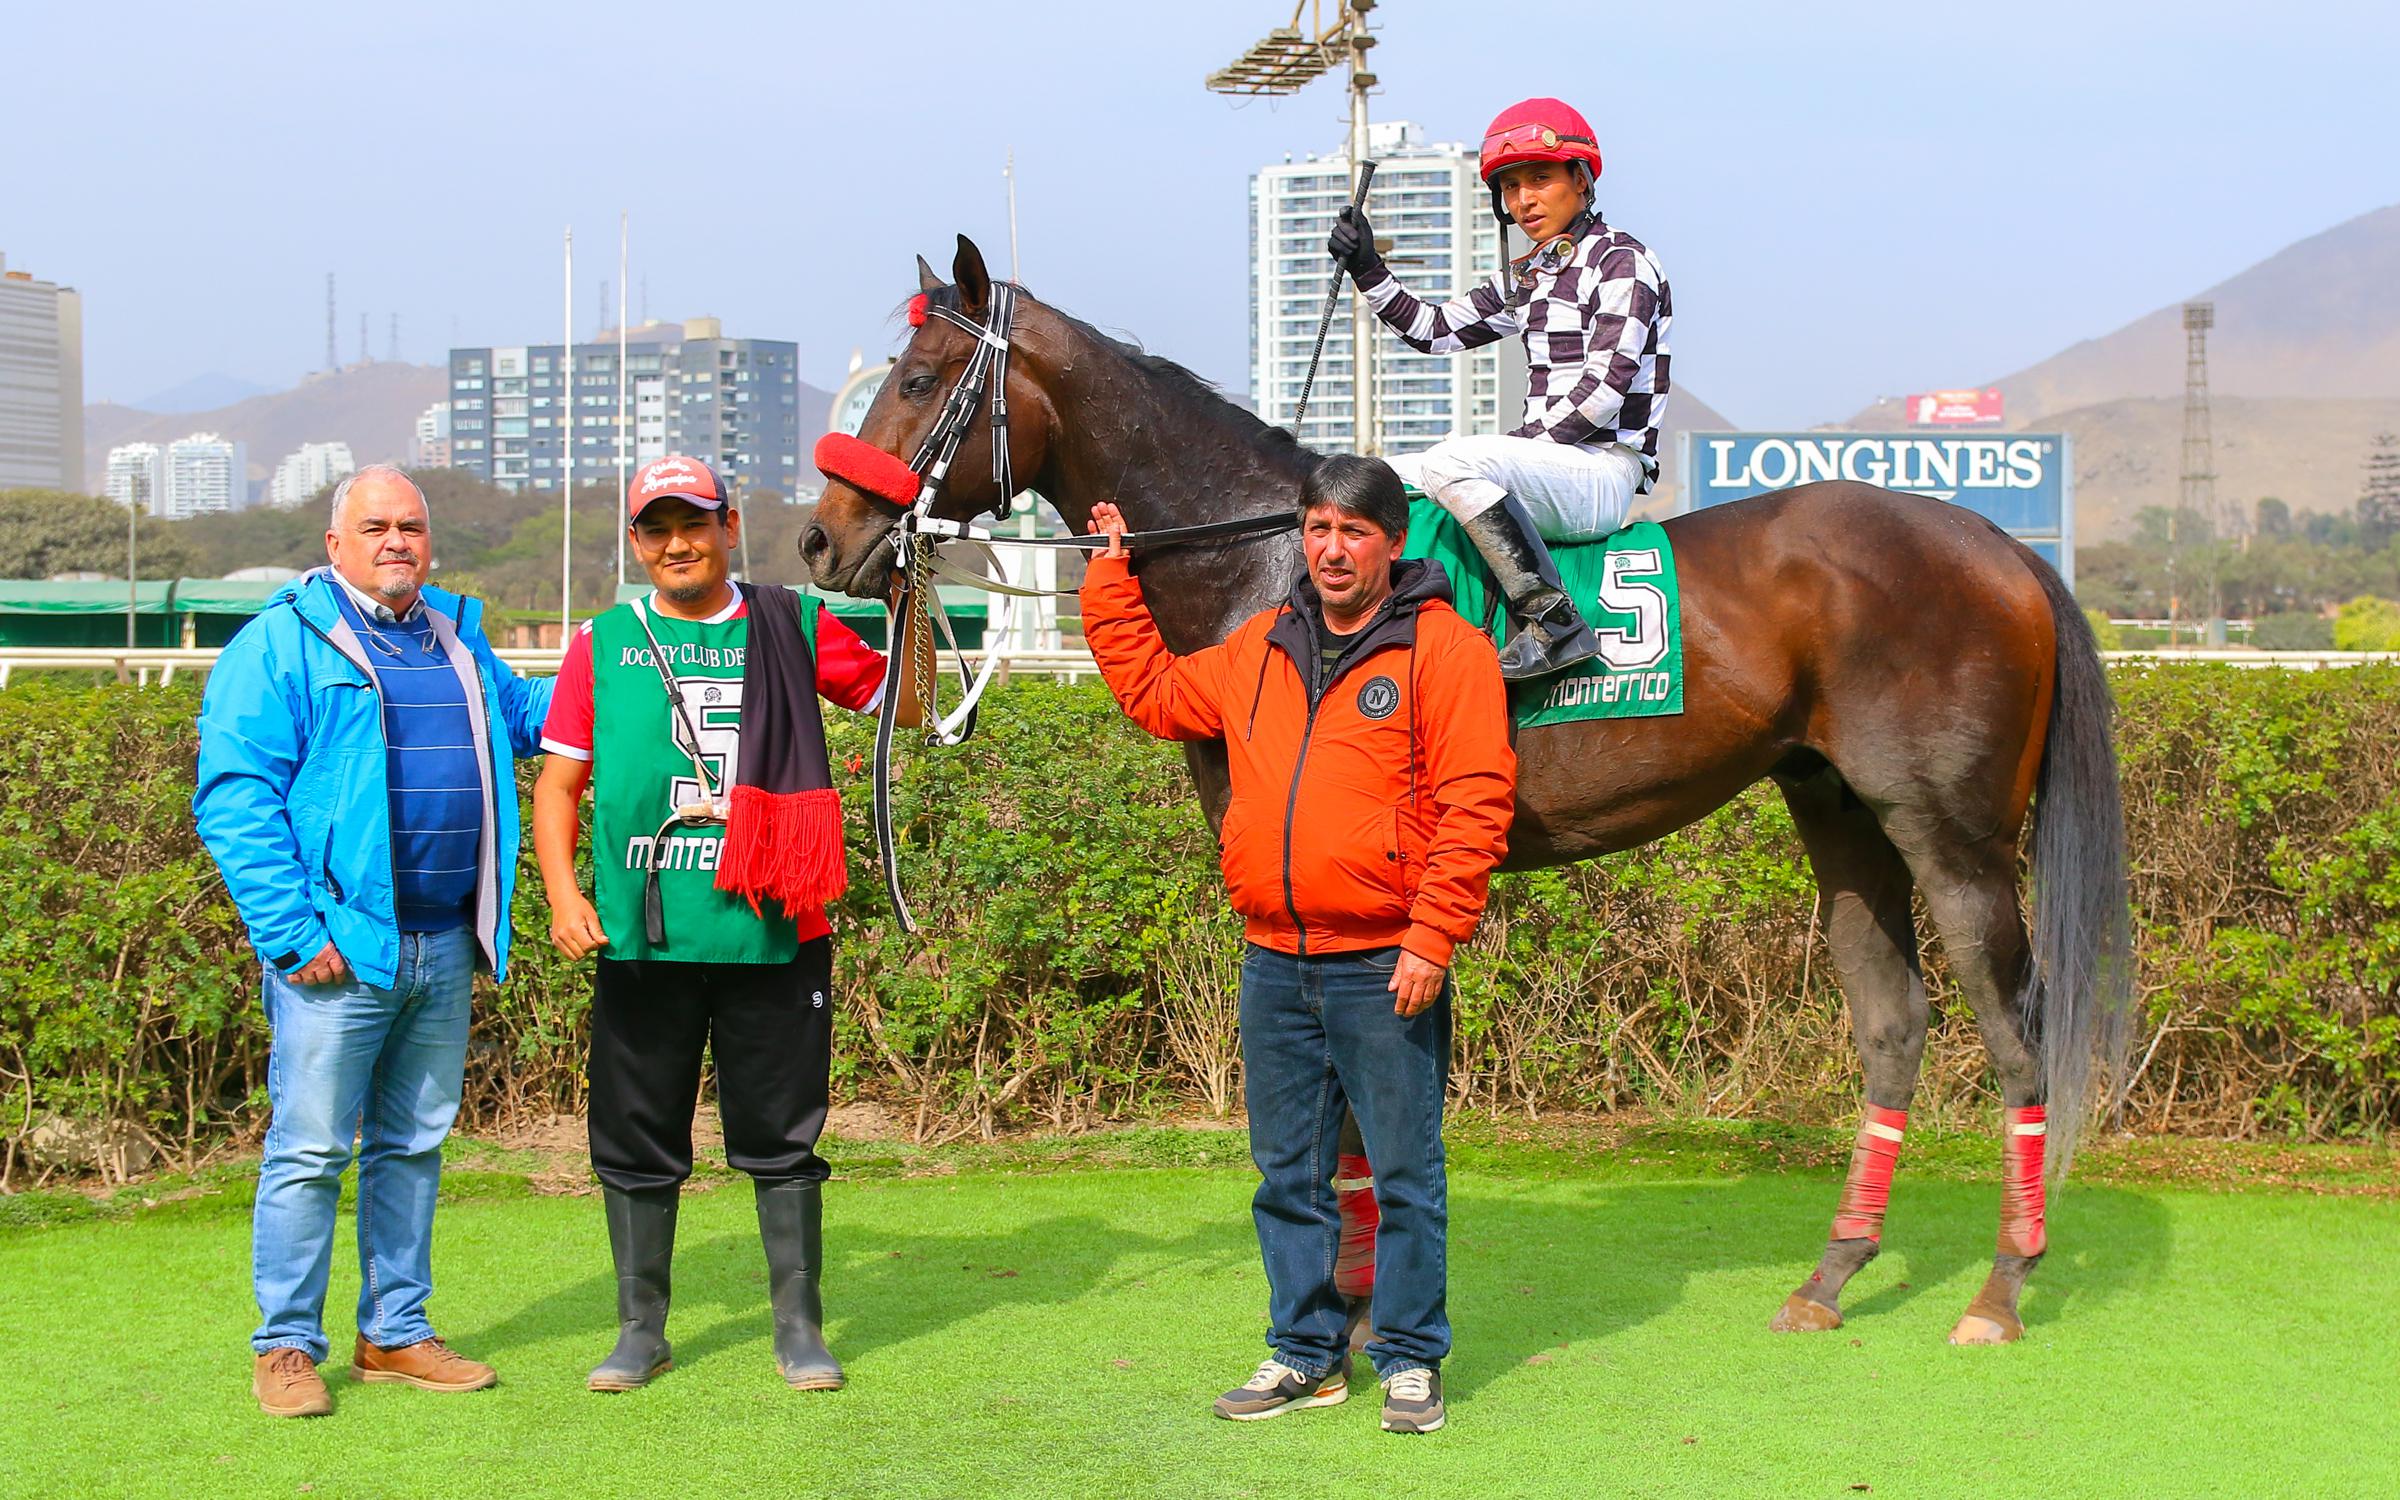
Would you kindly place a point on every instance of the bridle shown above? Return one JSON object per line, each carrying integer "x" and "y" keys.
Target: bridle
{"x": 918, "y": 532}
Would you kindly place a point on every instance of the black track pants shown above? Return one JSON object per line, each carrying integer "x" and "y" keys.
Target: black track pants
{"x": 770, "y": 1029}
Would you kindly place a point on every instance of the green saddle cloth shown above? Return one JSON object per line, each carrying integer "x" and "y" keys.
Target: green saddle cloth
{"x": 1625, "y": 585}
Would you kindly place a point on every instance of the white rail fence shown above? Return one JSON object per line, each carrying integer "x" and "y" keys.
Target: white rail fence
{"x": 162, "y": 664}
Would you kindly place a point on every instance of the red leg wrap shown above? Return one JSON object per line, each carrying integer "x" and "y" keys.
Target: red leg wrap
{"x": 1860, "y": 1214}
{"x": 1354, "y": 1192}
{"x": 2024, "y": 1201}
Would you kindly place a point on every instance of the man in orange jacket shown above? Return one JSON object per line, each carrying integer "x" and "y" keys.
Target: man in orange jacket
{"x": 1367, "y": 732}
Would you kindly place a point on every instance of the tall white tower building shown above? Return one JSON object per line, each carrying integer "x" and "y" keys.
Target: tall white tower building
{"x": 137, "y": 476}
{"x": 206, "y": 474}
{"x": 308, "y": 469}
{"x": 41, "y": 383}
{"x": 1429, "y": 203}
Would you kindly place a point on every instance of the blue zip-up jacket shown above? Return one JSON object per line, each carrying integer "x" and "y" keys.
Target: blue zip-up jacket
{"x": 293, "y": 800}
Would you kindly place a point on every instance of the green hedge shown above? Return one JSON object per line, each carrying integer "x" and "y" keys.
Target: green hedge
{"x": 1080, "y": 962}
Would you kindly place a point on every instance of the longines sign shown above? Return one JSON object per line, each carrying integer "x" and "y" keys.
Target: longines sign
{"x": 2025, "y": 481}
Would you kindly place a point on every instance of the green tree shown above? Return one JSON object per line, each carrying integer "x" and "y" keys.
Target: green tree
{"x": 47, "y": 532}
{"x": 2274, "y": 518}
{"x": 2367, "y": 623}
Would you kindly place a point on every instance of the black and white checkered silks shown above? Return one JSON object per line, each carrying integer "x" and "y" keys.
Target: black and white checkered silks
{"x": 1594, "y": 313}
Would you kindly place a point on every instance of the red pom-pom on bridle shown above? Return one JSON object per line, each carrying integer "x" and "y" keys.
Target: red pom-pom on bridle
{"x": 917, "y": 306}
{"x": 864, "y": 466}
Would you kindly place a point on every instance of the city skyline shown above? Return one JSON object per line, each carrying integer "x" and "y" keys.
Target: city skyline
{"x": 1953, "y": 195}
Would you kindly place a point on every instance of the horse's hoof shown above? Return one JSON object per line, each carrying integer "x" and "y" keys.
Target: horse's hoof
{"x": 1799, "y": 1315}
{"x": 1987, "y": 1328}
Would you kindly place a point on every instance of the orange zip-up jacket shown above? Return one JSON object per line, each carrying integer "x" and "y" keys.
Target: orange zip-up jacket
{"x": 1366, "y": 815}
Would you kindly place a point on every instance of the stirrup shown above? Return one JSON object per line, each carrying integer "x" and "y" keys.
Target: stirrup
{"x": 1556, "y": 638}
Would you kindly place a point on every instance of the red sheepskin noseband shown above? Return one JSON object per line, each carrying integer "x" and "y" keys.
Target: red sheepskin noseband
{"x": 866, "y": 467}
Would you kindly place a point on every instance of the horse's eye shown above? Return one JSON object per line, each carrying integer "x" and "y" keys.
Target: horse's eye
{"x": 916, "y": 385}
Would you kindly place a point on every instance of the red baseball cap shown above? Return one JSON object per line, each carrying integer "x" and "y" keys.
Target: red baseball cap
{"x": 682, "y": 478}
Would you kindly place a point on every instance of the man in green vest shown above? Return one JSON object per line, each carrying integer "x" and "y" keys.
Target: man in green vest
{"x": 691, "y": 716}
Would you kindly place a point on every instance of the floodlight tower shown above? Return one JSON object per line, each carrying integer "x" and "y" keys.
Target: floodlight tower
{"x": 2199, "y": 459}
{"x": 1284, "y": 61}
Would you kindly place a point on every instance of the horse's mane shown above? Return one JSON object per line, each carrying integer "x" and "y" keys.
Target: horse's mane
{"x": 1209, "y": 400}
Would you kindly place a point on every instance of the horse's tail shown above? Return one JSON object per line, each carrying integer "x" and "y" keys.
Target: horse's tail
{"x": 2078, "y": 995}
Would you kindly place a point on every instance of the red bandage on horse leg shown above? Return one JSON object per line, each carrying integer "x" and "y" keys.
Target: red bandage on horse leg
{"x": 1860, "y": 1214}
{"x": 2024, "y": 1138}
{"x": 862, "y": 464}
{"x": 1354, "y": 1194}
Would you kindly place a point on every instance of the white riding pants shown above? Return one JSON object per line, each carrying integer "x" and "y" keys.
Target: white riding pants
{"x": 1573, "y": 494}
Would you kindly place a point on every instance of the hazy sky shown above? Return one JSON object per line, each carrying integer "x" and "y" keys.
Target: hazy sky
{"x": 1850, "y": 200}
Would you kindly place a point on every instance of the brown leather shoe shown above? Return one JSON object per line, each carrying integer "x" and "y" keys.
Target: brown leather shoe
{"x": 428, "y": 1364}
{"x": 287, "y": 1384}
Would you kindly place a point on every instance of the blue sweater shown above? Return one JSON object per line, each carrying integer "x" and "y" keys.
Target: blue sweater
{"x": 436, "y": 791}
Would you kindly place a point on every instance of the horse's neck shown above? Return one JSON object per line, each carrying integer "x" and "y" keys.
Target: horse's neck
{"x": 1158, "y": 451}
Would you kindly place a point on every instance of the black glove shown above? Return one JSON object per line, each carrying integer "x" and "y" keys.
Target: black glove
{"x": 1353, "y": 242}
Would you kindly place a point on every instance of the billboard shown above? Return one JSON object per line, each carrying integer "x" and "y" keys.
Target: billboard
{"x": 1954, "y": 409}
{"x": 2024, "y": 481}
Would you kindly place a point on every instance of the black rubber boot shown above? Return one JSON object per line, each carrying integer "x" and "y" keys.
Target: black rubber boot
{"x": 791, "y": 1223}
{"x": 641, "y": 1239}
{"x": 1551, "y": 634}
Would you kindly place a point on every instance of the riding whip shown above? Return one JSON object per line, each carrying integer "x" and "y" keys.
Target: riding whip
{"x": 1333, "y": 296}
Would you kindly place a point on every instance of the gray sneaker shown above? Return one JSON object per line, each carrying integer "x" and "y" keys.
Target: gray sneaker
{"x": 1278, "y": 1388}
{"x": 1412, "y": 1401}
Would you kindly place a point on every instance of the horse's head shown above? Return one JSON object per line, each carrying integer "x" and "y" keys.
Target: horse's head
{"x": 848, "y": 544}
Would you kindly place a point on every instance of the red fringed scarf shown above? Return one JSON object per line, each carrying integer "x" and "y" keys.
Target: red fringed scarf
{"x": 783, "y": 835}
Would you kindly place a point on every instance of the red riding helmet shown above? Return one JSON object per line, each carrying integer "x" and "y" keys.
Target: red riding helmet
{"x": 1536, "y": 130}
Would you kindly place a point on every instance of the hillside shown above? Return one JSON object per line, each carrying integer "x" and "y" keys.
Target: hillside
{"x": 372, "y": 407}
{"x": 1685, "y": 413}
{"x": 2320, "y": 318}
{"x": 2307, "y": 453}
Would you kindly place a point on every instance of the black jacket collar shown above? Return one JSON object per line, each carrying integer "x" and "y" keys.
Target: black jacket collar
{"x": 1300, "y": 628}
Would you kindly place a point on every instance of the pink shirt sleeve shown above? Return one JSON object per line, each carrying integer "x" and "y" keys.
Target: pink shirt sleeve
{"x": 568, "y": 730}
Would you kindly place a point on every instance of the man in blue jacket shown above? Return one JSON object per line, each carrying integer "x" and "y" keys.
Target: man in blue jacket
{"x": 355, "y": 789}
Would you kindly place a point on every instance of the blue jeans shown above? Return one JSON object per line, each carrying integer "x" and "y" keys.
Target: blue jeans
{"x": 381, "y": 1067}
{"x": 1319, "y": 1036}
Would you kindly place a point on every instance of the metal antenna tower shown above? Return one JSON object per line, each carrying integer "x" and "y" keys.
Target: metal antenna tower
{"x": 1283, "y": 62}
{"x": 2199, "y": 456}
{"x": 333, "y": 356}
{"x": 364, "y": 353}
{"x": 391, "y": 350}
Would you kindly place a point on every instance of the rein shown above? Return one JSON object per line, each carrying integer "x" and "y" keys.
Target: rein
{"x": 918, "y": 534}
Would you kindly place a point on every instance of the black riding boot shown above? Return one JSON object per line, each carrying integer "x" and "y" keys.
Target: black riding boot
{"x": 1551, "y": 634}
{"x": 641, "y": 1239}
{"x": 791, "y": 1222}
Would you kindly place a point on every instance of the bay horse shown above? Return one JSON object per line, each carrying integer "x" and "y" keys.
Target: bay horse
{"x": 1919, "y": 685}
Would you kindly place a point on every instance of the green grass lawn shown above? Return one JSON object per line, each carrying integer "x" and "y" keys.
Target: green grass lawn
{"x": 1053, "y": 1320}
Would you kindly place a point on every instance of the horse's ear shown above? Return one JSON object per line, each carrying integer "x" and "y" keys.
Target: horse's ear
{"x": 926, "y": 280}
{"x": 974, "y": 282}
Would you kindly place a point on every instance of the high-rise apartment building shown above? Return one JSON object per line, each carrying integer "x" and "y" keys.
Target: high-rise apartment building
{"x": 733, "y": 402}
{"x": 206, "y": 475}
{"x": 429, "y": 445}
{"x": 41, "y": 383}
{"x": 1437, "y": 213}
{"x": 308, "y": 469}
{"x": 137, "y": 476}
{"x": 202, "y": 474}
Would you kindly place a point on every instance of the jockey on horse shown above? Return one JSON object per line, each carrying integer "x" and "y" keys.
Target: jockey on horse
{"x": 1592, "y": 306}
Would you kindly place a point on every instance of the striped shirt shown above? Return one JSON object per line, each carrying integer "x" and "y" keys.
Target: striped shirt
{"x": 1594, "y": 312}
{"x": 430, "y": 760}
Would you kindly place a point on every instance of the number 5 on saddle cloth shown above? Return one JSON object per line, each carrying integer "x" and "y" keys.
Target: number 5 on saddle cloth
{"x": 1625, "y": 585}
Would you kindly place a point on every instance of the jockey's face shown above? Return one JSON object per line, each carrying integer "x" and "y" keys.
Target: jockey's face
{"x": 1542, "y": 196}
{"x": 1350, "y": 561}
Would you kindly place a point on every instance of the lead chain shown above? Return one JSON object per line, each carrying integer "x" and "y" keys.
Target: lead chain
{"x": 917, "y": 637}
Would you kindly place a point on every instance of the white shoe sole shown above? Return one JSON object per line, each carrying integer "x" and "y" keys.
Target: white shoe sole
{"x": 1436, "y": 1425}
{"x": 1331, "y": 1396}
